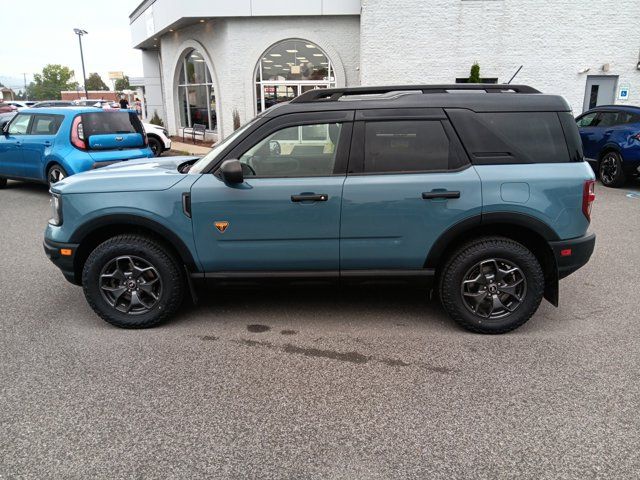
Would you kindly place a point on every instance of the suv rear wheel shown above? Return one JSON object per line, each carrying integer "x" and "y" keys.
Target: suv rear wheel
{"x": 3, "y": 182}
{"x": 610, "y": 170}
{"x": 133, "y": 282}
{"x": 491, "y": 285}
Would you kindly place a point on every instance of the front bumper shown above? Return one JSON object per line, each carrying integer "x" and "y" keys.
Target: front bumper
{"x": 573, "y": 254}
{"x": 65, "y": 263}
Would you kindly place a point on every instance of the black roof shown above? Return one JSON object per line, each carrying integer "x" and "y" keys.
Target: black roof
{"x": 476, "y": 97}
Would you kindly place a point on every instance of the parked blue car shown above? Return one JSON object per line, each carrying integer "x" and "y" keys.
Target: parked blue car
{"x": 611, "y": 142}
{"x": 48, "y": 144}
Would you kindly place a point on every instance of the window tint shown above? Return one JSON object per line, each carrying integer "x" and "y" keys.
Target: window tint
{"x": 405, "y": 146}
{"x": 531, "y": 137}
{"x": 628, "y": 117}
{"x": 587, "y": 120}
{"x": 46, "y": 124}
{"x": 300, "y": 151}
{"x": 608, "y": 119}
{"x": 100, "y": 123}
{"x": 20, "y": 124}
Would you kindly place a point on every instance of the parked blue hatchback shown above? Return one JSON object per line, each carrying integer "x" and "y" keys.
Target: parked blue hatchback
{"x": 48, "y": 144}
{"x": 611, "y": 141}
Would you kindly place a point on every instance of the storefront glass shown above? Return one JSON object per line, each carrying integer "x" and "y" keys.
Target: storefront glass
{"x": 196, "y": 95}
{"x": 289, "y": 69}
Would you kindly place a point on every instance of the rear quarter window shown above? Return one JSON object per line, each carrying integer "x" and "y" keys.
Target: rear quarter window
{"x": 512, "y": 137}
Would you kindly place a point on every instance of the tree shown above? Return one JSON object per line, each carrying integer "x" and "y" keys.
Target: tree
{"x": 122, "y": 84}
{"x": 48, "y": 84}
{"x": 94, "y": 82}
{"x": 156, "y": 120}
{"x": 474, "y": 75}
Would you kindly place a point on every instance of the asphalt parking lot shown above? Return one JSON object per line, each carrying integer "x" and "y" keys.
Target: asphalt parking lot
{"x": 331, "y": 384}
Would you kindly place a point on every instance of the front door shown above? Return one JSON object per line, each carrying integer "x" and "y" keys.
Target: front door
{"x": 411, "y": 183}
{"x": 11, "y": 158}
{"x": 286, "y": 214}
{"x": 600, "y": 90}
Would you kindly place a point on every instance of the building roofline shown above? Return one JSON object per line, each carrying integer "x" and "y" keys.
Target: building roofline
{"x": 140, "y": 9}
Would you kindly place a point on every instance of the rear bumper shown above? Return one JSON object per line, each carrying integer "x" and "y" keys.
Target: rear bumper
{"x": 573, "y": 254}
{"x": 63, "y": 262}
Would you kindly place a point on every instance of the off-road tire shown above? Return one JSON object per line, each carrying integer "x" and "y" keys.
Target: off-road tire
{"x": 3, "y": 182}
{"x": 469, "y": 254}
{"x": 167, "y": 266}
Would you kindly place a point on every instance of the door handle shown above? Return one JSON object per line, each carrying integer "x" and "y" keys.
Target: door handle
{"x": 440, "y": 194}
{"x": 310, "y": 197}
{"x": 47, "y": 143}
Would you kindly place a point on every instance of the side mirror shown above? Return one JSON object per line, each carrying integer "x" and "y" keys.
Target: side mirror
{"x": 231, "y": 172}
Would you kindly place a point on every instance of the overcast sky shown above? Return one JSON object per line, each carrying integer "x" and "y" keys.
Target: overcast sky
{"x": 37, "y": 32}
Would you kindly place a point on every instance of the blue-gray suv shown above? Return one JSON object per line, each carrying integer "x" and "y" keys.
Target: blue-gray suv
{"x": 479, "y": 192}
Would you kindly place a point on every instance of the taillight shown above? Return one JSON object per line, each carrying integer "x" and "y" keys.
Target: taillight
{"x": 636, "y": 136}
{"x": 77, "y": 134}
{"x": 588, "y": 197}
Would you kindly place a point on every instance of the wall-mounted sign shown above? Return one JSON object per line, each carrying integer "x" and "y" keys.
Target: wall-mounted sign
{"x": 623, "y": 92}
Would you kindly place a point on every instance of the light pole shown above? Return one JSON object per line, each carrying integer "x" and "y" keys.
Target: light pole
{"x": 80, "y": 33}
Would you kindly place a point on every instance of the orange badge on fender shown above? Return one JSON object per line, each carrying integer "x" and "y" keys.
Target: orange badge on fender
{"x": 222, "y": 226}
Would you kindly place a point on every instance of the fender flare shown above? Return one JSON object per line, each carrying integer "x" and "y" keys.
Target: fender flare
{"x": 505, "y": 218}
{"x": 137, "y": 221}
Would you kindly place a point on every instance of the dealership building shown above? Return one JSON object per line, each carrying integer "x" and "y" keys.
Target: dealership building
{"x": 210, "y": 61}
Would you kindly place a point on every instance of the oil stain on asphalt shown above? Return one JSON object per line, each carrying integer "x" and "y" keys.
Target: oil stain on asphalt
{"x": 256, "y": 328}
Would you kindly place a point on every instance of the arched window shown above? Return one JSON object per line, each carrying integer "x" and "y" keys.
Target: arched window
{"x": 196, "y": 96}
{"x": 289, "y": 69}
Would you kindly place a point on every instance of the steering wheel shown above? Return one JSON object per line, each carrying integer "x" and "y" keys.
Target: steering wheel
{"x": 247, "y": 170}
{"x": 274, "y": 147}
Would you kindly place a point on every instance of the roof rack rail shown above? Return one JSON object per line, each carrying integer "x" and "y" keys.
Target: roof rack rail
{"x": 334, "y": 94}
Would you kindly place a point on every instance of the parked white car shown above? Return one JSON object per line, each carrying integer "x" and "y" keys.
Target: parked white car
{"x": 158, "y": 137}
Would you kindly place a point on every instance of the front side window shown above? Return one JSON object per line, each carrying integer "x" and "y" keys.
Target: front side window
{"x": 20, "y": 125}
{"x": 299, "y": 151}
{"x": 405, "y": 146}
{"x": 46, "y": 124}
{"x": 608, "y": 119}
{"x": 587, "y": 120}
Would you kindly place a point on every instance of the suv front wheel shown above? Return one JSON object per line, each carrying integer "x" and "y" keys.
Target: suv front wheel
{"x": 491, "y": 285}
{"x": 132, "y": 281}
{"x": 610, "y": 170}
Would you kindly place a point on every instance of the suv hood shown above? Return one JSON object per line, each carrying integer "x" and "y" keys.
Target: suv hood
{"x": 130, "y": 176}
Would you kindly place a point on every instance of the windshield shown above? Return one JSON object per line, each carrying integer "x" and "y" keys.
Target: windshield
{"x": 205, "y": 161}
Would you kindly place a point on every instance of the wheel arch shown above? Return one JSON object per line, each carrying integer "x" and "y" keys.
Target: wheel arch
{"x": 89, "y": 235}
{"x": 522, "y": 228}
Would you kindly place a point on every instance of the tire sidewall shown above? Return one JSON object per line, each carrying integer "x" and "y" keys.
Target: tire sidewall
{"x": 55, "y": 166}
{"x": 510, "y": 251}
{"x": 158, "y": 144}
{"x": 168, "y": 271}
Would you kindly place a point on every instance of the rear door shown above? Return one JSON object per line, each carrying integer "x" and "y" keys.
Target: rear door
{"x": 285, "y": 217}
{"x": 11, "y": 158}
{"x": 409, "y": 181}
{"x": 39, "y": 143}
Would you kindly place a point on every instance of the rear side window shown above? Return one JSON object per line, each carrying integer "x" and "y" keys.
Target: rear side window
{"x": 46, "y": 124}
{"x": 512, "y": 137}
{"x": 608, "y": 119}
{"x": 103, "y": 123}
{"x": 407, "y": 146}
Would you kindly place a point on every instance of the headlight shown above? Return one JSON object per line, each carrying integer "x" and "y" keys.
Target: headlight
{"x": 166, "y": 132}
{"x": 56, "y": 209}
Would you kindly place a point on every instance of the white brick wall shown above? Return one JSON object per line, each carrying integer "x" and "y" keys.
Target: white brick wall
{"x": 233, "y": 46}
{"x": 435, "y": 41}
